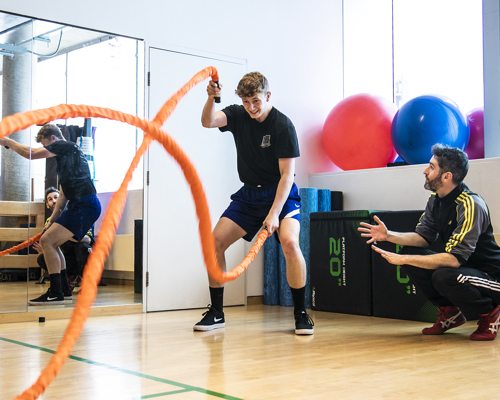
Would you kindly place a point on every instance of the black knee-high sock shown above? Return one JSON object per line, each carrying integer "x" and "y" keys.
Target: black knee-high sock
{"x": 55, "y": 284}
{"x": 217, "y": 298}
{"x": 299, "y": 299}
{"x": 64, "y": 282}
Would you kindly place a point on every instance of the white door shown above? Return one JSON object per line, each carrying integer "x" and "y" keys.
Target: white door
{"x": 177, "y": 273}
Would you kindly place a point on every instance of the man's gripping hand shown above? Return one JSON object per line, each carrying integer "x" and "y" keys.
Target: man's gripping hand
{"x": 214, "y": 90}
{"x": 271, "y": 223}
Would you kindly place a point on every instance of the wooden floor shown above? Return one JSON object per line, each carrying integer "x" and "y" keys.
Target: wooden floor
{"x": 15, "y": 296}
{"x": 257, "y": 356}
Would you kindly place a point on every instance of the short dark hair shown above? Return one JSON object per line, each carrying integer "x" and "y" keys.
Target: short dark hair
{"x": 252, "y": 84}
{"x": 451, "y": 159}
{"x": 50, "y": 190}
{"x": 47, "y": 131}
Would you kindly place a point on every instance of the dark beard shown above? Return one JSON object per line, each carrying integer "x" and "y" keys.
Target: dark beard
{"x": 433, "y": 185}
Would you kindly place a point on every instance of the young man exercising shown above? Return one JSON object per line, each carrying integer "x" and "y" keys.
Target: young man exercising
{"x": 266, "y": 147}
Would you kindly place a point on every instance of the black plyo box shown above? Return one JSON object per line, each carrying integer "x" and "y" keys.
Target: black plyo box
{"x": 394, "y": 294}
{"x": 341, "y": 269}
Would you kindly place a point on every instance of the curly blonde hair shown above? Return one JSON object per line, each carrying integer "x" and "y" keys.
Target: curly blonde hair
{"x": 252, "y": 84}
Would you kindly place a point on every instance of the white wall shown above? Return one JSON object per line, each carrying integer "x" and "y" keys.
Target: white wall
{"x": 121, "y": 254}
{"x": 297, "y": 45}
{"x": 402, "y": 188}
{"x": 133, "y": 210}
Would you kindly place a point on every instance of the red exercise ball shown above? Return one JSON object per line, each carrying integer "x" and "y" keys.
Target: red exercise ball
{"x": 357, "y": 132}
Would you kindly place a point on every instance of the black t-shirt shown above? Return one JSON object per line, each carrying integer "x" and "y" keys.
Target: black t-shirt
{"x": 259, "y": 145}
{"x": 72, "y": 169}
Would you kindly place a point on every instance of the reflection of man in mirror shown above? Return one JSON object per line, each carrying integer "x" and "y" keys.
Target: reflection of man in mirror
{"x": 75, "y": 253}
{"x": 51, "y": 196}
{"x": 77, "y": 194}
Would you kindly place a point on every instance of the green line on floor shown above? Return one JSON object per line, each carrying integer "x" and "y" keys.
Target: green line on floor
{"x": 152, "y": 396}
{"x": 185, "y": 388}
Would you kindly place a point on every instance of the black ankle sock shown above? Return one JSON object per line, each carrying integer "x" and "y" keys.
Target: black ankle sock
{"x": 64, "y": 282}
{"x": 217, "y": 298}
{"x": 55, "y": 284}
{"x": 299, "y": 298}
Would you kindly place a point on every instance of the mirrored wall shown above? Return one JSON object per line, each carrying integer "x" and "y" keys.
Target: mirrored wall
{"x": 45, "y": 64}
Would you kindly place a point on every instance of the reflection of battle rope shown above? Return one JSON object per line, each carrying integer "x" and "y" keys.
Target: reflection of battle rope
{"x": 95, "y": 264}
{"x": 21, "y": 246}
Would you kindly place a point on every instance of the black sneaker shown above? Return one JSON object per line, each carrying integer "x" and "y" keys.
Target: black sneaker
{"x": 212, "y": 319}
{"x": 303, "y": 324}
{"x": 68, "y": 296}
{"x": 47, "y": 299}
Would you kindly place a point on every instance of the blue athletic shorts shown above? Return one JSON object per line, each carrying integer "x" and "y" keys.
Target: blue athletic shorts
{"x": 251, "y": 204}
{"x": 80, "y": 215}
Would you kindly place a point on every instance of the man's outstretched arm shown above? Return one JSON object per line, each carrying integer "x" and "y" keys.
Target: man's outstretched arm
{"x": 26, "y": 151}
{"x": 426, "y": 261}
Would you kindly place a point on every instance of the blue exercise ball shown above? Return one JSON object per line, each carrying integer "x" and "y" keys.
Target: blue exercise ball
{"x": 424, "y": 121}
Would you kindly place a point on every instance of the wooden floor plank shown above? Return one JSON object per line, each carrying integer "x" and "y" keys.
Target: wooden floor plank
{"x": 257, "y": 356}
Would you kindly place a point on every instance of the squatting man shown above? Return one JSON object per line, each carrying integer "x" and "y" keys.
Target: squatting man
{"x": 463, "y": 277}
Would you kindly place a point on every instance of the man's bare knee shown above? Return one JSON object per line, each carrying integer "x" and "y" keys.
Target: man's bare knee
{"x": 46, "y": 242}
{"x": 220, "y": 246}
{"x": 290, "y": 246}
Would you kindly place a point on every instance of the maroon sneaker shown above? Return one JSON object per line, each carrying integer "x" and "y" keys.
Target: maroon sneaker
{"x": 487, "y": 326}
{"x": 448, "y": 317}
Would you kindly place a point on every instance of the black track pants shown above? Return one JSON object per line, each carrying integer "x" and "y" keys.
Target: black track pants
{"x": 470, "y": 289}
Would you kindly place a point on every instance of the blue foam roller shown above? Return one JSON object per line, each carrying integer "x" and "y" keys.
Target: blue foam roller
{"x": 324, "y": 200}
{"x": 309, "y": 204}
{"x": 271, "y": 273}
{"x": 285, "y": 292}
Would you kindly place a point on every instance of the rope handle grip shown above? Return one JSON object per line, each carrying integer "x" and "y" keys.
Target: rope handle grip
{"x": 217, "y": 98}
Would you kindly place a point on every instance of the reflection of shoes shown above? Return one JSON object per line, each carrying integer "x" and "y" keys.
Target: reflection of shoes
{"x": 212, "y": 319}
{"x": 487, "y": 326}
{"x": 303, "y": 338}
{"x": 47, "y": 299}
{"x": 303, "y": 324}
{"x": 448, "y": 317}
{"x": 213, "y": 336}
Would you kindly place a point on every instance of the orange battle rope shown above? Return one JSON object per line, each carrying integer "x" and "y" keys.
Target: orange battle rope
{"x": 21, "y": 246}
{"x": 95, "y": 264}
